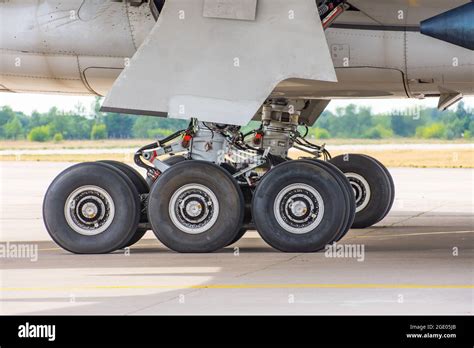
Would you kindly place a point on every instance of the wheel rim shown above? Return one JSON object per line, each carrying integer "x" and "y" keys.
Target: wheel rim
{"x": 194, "y": 209}
{"x": 299, "y": 208}
{"x": 89, "y": 210}
{"x": 361, "y": 189}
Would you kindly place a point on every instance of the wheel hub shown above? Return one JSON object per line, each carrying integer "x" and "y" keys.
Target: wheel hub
{"x": 361, "y": 189}
{"x": 299, "y": 208}
{"x": 194, "y": 208}
{"x": 89, "y": 210}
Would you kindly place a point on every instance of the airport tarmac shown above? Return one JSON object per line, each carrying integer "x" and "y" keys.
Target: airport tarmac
{"x": 419, "y": 260}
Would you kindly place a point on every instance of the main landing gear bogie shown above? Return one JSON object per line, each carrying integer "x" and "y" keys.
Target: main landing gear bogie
{"x": 215, "y": 184}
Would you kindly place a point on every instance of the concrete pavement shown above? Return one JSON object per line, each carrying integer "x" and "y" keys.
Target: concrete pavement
{"x": 419, "y": 260}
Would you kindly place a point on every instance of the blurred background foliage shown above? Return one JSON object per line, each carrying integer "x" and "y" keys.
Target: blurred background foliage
{"x": 349, "y": 122}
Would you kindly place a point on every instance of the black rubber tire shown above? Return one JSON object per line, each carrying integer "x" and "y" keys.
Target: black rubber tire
{"x": 320, "y": 179}
{"x": 138, "y": 180}
{"x": 239, "y": 236}
{"x": 392, "y": 187}
{"x": 116, "y": 184}
{"x": 225, "y": 188}
{"x": 139, "y": 233}
{"x": 349, "y": 197}
{"x": 378, "y": 182}
{"x": 142, "y": 188}
{"x": 247, "y": 192}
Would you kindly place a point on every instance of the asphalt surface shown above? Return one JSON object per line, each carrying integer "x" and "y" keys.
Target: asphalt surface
{"x": 419, "y": 260}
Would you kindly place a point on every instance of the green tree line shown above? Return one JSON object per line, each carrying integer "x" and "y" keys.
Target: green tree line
{"x": 56, "y": 125}
{"x": 426, "y": 123}
{"x": 347, "y": 122}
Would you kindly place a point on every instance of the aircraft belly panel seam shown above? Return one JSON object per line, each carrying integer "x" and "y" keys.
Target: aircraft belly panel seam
{"x": 5, "y": 88}
{"x": 404, "y": 78}
{"x": 438, "y": 66}
{"x": 97, "y": 67}
{"x": 394, "y": 28}
{"x": 130, "y": 26}
{"x": 59, "y": 54}
{"x": 405, "y": 60}
{"x": 74, "y": 93}
{"x": 41, "y": 77}
{"x": 83, "y": 78}
{"x": 347, "y": 32}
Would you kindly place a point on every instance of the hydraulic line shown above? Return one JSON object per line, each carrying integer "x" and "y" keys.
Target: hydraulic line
{"x": 329, "y": 10}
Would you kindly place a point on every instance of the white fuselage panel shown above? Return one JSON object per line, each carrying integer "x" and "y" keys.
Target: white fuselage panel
{"x": 80, "y": 47}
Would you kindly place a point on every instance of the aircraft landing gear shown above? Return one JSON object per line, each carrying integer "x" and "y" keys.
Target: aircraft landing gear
{"x": 214, "y": 185}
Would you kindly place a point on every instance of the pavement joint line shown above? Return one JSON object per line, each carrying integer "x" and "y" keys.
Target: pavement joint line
{"x": 371, "y": 230}
{"x": 417, "y": 215}
{"x": 159, "y": 303}
{"x": 268, "y": 266}
{"x": 246, "y": 286}
{"x": 413, "y": 234}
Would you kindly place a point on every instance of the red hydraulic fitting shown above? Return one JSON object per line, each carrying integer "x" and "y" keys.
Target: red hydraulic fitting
{"x": 186, "y": 140}
{"x": 257, "y": 140}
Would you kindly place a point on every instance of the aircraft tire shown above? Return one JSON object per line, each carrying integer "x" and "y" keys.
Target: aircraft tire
{"x": 247, "y": 192}
{"x": 392, "y": 187}
{"x": 196, "y": 207}
{"x": 371, "y": 187}
{"x": 348, "y": 193}
{"x": 313, "y": 223}
{"x": 91, "y": 208}
{"x": 142, "y": 188}
{"x": 239, "y": 236}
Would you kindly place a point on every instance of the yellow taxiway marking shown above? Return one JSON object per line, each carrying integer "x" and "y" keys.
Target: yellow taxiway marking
{"x": 247, "y": 286}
